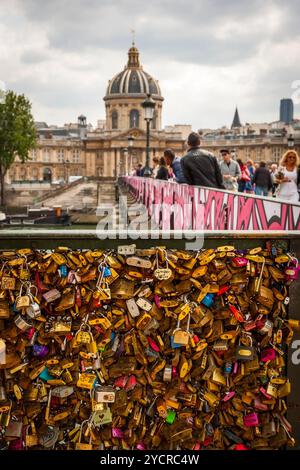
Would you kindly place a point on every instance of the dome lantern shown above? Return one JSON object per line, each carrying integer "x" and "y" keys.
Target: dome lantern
{"x": 133, "y": 57}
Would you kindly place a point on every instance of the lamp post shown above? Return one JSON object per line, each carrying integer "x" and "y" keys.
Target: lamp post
{"x": 148, "y": 105}
{"x": 125, "y": 152}
{"x": 130, "y": 145}
{"x": 291, "y": 142}
{"x": 65, "y": 164}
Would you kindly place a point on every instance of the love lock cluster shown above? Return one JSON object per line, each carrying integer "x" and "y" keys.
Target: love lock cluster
{"x": 145, "y": 348}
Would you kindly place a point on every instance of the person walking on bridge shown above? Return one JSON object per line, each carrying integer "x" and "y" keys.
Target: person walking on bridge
{"x": 175, "y": 164}
{"x": 288, "y": 177}
{"x": 230, "y": 170}
{"x": 200, "y": 168}
{"x": 163, "y": 173}
{"x": 262, "y": 180}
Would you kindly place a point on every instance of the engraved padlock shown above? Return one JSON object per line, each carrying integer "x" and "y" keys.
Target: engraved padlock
{"x": 291, "y": 272}
{"x": 133, "y": 308}
{"x": 22, "y": 323}
{"x": 22, "y": 301}
{"x": 104, "y": 394}
{"x": 181, "y": 336}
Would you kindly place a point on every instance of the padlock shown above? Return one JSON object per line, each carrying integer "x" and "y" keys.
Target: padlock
{"x": 4, "y": 310}
{"x": 132, "y": 308}
{"x": 291, "y": 272}
{"x": 104, "y": 394}
{"x": 22, "y": 301}
{"x": 52, "y": 295}
{"x": 31, "y": 437}
{"x": 83, "y": 335}
{"x": 180, "y": 336}
{"x": 81, "y": 445}
{"x": 22, "y": 323}
{"x": 144, "y": 304}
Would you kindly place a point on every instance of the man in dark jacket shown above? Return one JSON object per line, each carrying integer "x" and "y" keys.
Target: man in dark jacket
{"x": 201, "y": 168}
{"x": 262, "y": 180}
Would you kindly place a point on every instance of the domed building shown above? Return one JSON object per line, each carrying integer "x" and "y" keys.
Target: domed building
{"x": 107, "y": 148}
{"x": 125, "y": 94}
{"x": 115, "y": 146}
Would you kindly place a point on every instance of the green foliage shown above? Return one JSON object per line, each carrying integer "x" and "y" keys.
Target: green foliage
{"x": 17, "y": 131}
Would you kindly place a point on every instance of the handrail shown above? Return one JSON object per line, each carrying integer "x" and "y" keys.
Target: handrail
{"x": 180, "y": 207}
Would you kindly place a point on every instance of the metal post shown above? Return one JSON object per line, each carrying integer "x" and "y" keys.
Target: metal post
{"x": 147, "y": 171}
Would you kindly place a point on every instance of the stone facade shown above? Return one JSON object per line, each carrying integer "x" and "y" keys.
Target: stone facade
{"x": 77, "y": 150}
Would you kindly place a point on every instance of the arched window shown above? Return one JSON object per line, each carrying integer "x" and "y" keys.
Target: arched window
{"x": 134, "y": 118}
{"x": 114, "y": 119}
{"x": 47, "y": 175}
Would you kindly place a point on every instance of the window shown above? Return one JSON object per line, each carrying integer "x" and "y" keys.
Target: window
{"x": 46, "y": 155}
{"x": 60, "y": 155}
{"x": 276, "y": 153}
{"x": 33, "y": 156}
{"x": 248, "y": 153}
{"x": 134, "y": 118}
{"x": 76, "y": 155}
{"x": 22, "y": 173}
{"x": 258, "y": 153}
{"x": 114, "y": 119}
{"x": 35, "y": 174}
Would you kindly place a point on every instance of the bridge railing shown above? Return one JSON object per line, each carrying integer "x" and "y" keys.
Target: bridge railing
{"x": 182, "y": 207}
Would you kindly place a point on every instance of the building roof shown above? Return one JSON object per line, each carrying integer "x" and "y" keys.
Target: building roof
{"x": 133, "y": 81}
{"x": 236, "y": 120}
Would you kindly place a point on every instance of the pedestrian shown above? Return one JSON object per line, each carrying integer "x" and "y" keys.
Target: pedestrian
{"x": 163, "y": 172}
{"x": 138, "y": 171}
{"x": 199, "y": 167}
{"x": 249, "y": 185}
{"x": 262, "y": 180}
{"x": 273, "y": 171}
{"x": 288, "y": 177}
{"x": 155, "y": 167}
{"x": 175, "y": 165}
{"x": 245, "y": 176}
{"x": 230, "y": 170}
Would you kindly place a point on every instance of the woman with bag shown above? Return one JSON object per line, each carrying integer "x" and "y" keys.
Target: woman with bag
{"x": 287, "y": 177}
{"x": 245, "y": 176}
{"x": 249, "y": 184}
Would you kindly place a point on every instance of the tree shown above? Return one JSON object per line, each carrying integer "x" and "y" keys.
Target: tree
{"x": 17, "y": 133}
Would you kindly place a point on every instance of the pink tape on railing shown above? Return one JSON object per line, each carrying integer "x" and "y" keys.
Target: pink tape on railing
{"x": 200, "y": 208}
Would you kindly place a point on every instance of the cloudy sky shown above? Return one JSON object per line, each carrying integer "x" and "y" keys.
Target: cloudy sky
{"x": 208, "y": 55}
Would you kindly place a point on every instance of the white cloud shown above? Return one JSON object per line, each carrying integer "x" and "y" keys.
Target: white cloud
{"x": 209, "y": 55}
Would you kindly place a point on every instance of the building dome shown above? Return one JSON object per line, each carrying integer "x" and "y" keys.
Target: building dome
{"x": 132, "y": 81}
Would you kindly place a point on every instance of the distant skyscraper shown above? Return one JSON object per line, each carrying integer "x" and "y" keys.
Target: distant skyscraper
{"x": 286, "y": 110}
{"x": 236, "y": 120}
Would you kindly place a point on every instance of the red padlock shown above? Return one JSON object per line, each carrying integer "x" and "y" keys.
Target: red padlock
{"x": 251, "y": 420}
{"x": 237, "y": 314}
{"x": 291, "y": 272}
{"x": 239, "y": 262}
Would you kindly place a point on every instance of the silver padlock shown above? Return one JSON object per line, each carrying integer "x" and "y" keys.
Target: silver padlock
{"x": 144, "y": 304}
{"x": 133, "y": 308}
{"x": 126, "y": 249}
{"x": 104, "y": 394}
{"x": 167, "y": 375}
{"x": 33, "y": 311}
{"x": 22, "y": 323}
